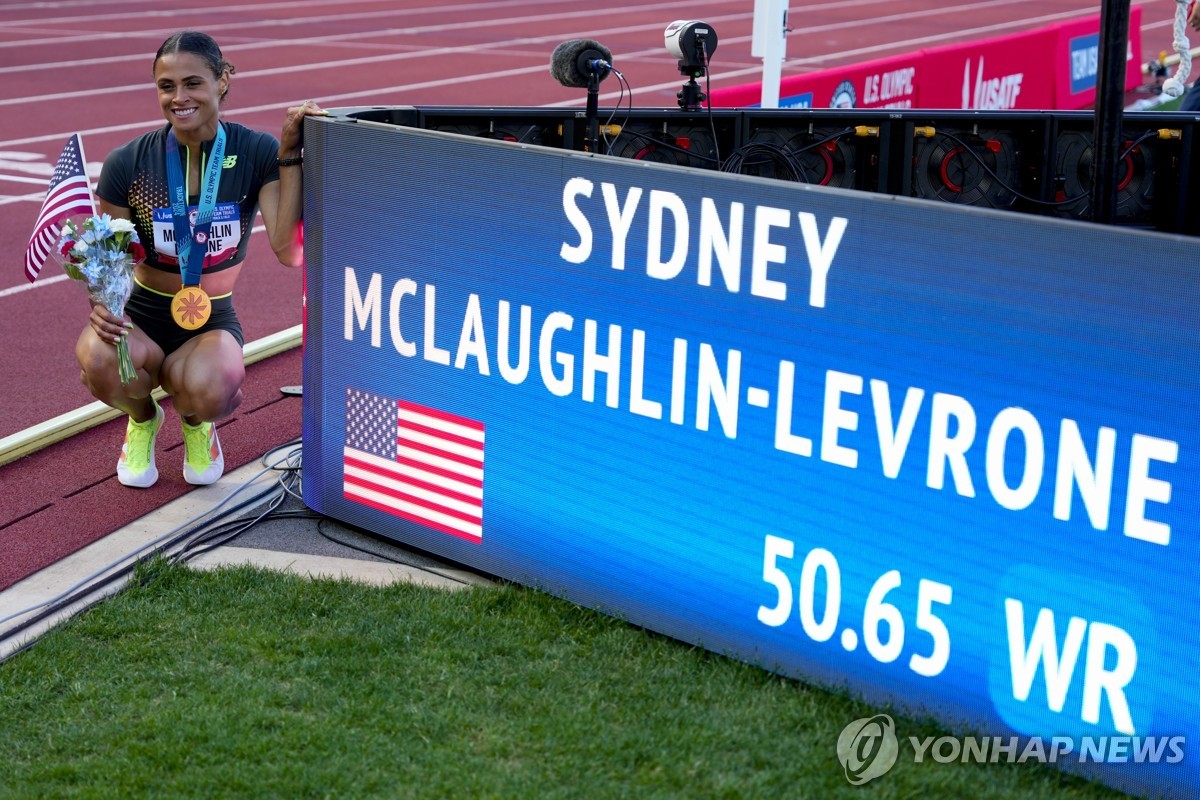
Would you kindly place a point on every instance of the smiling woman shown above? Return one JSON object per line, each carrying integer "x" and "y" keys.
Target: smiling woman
{"x": 192, "y": 189}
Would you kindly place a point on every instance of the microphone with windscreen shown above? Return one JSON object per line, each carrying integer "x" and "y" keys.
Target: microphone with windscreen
{"x": 577, "y": 62}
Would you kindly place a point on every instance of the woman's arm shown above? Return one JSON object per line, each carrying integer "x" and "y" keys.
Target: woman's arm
{"x": 282, "y": 202}
{"x": 283, "y": 226}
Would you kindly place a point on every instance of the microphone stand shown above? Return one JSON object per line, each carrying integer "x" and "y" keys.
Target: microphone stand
{"x": 593, "y": 111}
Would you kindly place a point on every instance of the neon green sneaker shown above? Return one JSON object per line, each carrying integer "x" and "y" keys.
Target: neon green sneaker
{"x": 203, "y": 461}
{"x": 136, "y": 467}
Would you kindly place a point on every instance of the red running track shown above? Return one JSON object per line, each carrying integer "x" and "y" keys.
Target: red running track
{"x": 85, "y": 66}
{"x": 64, "y": 497}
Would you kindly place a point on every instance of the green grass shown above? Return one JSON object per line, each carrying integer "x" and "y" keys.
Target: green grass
{"x": 247, "y": 683}
{"x": 1170, "y": 105}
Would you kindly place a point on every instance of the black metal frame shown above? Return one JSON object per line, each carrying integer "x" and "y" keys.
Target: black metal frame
{"x": 1040, "y": 162}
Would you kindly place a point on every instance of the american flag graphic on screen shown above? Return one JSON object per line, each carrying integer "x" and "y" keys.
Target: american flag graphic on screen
{"x": 414, "y": 462}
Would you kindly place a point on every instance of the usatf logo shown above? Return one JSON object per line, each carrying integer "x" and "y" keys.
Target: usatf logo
{"x": 867, "y": 748}
{"x": 999, "y": 93}
{"x": 229, "y": 162}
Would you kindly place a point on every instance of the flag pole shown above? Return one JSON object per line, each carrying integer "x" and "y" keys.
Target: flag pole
{"x": 86, "y": 179}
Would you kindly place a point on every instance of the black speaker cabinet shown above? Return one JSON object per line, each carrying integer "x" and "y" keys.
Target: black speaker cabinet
{"x": 1147, "y": 170}
{"x": 1038, "y": 162}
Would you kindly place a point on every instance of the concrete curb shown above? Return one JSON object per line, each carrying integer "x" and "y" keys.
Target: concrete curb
{"x": 379, "y": 564}
{"x": 66, "y": 425}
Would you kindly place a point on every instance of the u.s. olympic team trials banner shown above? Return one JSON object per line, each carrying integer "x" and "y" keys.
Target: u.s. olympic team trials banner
{"x": 942, "y": 456}
{"x": 1052, "y": 67}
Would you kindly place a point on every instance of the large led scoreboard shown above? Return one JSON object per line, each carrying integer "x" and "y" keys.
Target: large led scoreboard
{"x": 943, "y": 456}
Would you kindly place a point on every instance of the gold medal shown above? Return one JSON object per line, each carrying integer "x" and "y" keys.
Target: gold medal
{"x": 190, "y": 307}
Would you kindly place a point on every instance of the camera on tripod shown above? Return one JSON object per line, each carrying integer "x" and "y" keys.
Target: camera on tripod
{"x": 693, "y": 43}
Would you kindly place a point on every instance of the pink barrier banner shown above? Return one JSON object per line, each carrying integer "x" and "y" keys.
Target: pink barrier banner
{"x": 1005, "y": 73}
{"x": 1054, "y": 67}
{"x": 885, "y": 83}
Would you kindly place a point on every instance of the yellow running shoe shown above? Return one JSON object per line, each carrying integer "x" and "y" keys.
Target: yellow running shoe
{"x": 203, "y": 461}
{"x": 136, "y": 467}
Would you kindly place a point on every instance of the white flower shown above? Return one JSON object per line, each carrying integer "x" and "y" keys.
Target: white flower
{"x": 80, "y": 249}
{"x": 122, "y": 225}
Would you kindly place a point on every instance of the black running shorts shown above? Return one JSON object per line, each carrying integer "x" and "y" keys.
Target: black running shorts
{"x": 151, "y": 313}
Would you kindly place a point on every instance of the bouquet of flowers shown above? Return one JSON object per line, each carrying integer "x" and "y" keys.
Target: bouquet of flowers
{"x": 100, "y": 255}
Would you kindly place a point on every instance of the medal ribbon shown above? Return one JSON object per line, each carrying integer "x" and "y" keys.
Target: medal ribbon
{"x": 189, "y": 251}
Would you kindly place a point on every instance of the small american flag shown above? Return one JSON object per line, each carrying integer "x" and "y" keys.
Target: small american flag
{"x": 414, "y": 462}
{"x": 69, "y": 193}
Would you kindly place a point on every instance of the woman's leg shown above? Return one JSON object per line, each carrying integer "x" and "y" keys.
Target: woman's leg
{"x": 99, "y": 373}
{"x": 204, "y": 377}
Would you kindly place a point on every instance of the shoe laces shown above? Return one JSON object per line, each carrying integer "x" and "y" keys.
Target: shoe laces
{"x": 197, "y": 444}
{"x": 139, "y": 438}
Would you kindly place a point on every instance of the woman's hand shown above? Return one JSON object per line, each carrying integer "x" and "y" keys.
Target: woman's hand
{"x": 290, "y": 140}
{"x": 109, "y": 328}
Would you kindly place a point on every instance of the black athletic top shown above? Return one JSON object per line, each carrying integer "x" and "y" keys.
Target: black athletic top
{"x": 135, "y": 177}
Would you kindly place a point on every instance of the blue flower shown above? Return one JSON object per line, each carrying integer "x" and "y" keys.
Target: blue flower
{"x": 102, "y": 226}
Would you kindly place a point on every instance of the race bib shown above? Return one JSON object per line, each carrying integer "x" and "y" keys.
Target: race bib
{"x": 223, "y": 237}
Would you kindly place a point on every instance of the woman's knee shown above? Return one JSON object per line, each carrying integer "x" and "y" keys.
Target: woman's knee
{"x": 99, "y": 370}
{"x": 214, "y": 392}
{"x": 97, "y": 365}
{"x": 206, "y": 375}
{"x": 210, "y": 404}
